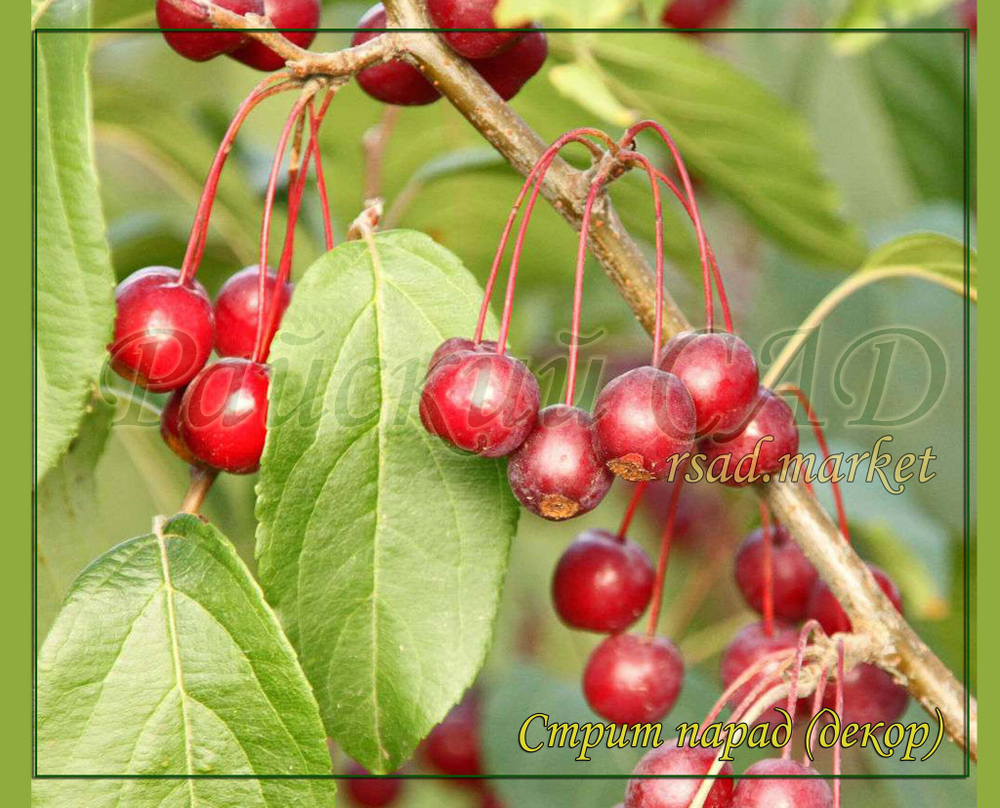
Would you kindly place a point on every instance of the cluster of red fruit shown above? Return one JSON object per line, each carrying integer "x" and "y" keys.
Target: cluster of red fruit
{"x": 703, "y": 393}
{"x": 165, "y": 330}
{"x": 453, "y": 747}
{"x": 207, "y": 43}
{"x": 505, "y": 59}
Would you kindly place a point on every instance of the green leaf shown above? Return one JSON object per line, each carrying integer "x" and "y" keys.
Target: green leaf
{"x": 382, "y": 550}
{"x": 879, "y": 14}
{"x": 930, "y": 252}
{"x": 918, "y": 79}
{"x": 566, "y": 13}
{"x": 735, "y": 134}
{"x": 74, "y": 281}
{"x": 165, "y": 659}
{"x": 583, "y": 83}
{"x": 116, "y": 473}
{"x": 67, "y": 497}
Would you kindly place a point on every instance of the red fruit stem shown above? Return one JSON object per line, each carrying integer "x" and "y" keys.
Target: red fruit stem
{"x": 661, "y": 567}
{"x": 633, "y": 505}
{"x": 315, "y": 121}
{"x": 299, "y": 175}
{"x": 658, "y": 208}
{"x": 839, "y": 707}
{"x": 628, "y": 137}
{"x": 740, "y": 681}
{"x": 199, "y": 228}
{"x": 793, "y": 686}
{"x": 581, "y": 261}
{"x": 817, "y": 705}
{"x": 716, "y": 272}
{"x": 825, "y": 449}
{"x": 768, "y": 604}
{"x": 536, "y": 176}
{"x": 265, "y": 230}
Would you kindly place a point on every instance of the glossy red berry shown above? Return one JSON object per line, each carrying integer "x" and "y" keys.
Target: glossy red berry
{"x": 772, "y": 425}
{"x": 223, "y": 418}
{"x": 509, "y": 71}
{"x": 695, "y": 13}
{"x": 556, "y": 473}
{"x": 792, "y": 576}
{"x": 371, "y": 792}
{"x": 871, "y": 696}
{"x": 453, "y": 746}
{"x": 602, "y": 584}
{"x": 749, "y": 645}
{"x": 394, "y": 82}
{"x": 170, "y": 428}
{"x": 282, "y": 14}
{"x": 770, "y": 792}
{"x": 480, "y": 402}
{"x": 471, "y": 14}
{"x": 236, "y": 307}
{"x": 633, "y": 679}
{"x": 208, "y": 43}
{"x": 642, "y": 420}
{"x": 720, "y": 372}
{"x": 456, "y": 345}
{"x": 645, "y": 790}
{"x": 825, "y": 608}
{"x": 163, "y": 330}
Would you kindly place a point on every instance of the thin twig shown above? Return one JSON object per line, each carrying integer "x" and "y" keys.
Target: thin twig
{"x": 201, "y": 483}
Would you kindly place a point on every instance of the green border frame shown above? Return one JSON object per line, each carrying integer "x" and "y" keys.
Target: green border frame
{"x": 11, "y": 591}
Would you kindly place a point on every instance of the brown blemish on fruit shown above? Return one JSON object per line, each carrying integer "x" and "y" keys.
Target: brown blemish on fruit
{"x": 557, "y": 507}
{"x": 630, "y": 467}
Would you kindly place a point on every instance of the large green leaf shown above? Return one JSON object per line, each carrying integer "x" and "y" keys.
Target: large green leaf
{"x": 165, "y": 659}
{"x": 382, "y": 550}
{"x": 73, "y": 282}
{"x": 736, "y": 135}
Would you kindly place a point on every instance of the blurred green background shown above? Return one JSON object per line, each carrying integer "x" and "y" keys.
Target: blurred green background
{"x": 879, "y": 127}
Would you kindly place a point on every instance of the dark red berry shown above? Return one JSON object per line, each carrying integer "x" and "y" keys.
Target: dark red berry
{"x": 555, "y": 472}
{"x": 602, "y": 584}
{"x": 642, "y": 419}
{"x": 703, "y": 517}
{"x": 824, "y": 606}
{"x": 720, "y": 372}
{"x": 772, "y": 425}
{"x": 394, "y": 82}
{"x": 771, "y": 792}
{"x": 792, "y": 576}
{"x": 456, "y": 345}
{"x": 509, "y": 71}
{"x": 694, "y": 13}
{"x": 632, "y": 679}
{"x": 236, "y": 307}
{"x": 224, "y": 415}
{"x": 282, "y": 14}
{"x": 200, "y": 46}
{"x": 170, "y": 428}
{"x": 471, "y": 14}
{"x": 453, "y": 746}
{"x": 646, "y": 790}
{"x": 163, "y": 330}
{"x": 481, "y": 402}
{"x": 749, "y": 645}
{"x": 371, "y": 792}
{"x": 871, "y": 696}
